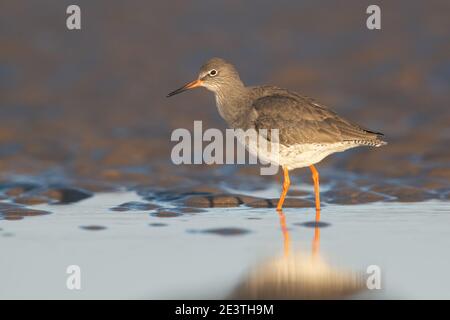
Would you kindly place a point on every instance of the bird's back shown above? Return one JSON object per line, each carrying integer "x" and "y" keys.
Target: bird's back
{"x": 301, "y": 120}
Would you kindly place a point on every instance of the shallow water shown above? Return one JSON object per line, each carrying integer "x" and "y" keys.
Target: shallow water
{"x": 135, "y": 254}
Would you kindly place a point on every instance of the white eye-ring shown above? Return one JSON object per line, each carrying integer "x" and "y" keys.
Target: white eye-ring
{"x": 212, "y": 72}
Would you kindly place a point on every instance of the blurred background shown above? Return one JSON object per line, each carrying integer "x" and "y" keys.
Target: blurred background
{"x": 88, "y": 107}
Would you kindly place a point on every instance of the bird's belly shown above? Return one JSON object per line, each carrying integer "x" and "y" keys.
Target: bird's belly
{"x": 266, "y": 151}
{"x": 295, "y": 156}
{"x": 304, "y": 155}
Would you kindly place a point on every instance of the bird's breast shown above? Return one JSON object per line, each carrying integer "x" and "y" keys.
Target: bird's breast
{"x": 234, "y": 112}
{"x": 221, "y": 107}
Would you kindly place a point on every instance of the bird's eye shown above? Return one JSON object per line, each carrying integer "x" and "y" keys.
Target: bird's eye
{"x": 213, "y": 72}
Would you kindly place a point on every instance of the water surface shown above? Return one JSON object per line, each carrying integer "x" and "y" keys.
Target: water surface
{"x": 135, "y": 254}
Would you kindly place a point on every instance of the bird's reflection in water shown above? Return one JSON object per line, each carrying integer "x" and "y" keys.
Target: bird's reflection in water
{"x": 295, "y": 275}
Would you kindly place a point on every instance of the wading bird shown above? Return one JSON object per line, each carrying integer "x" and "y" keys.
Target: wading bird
{"x": 308, "y": 131}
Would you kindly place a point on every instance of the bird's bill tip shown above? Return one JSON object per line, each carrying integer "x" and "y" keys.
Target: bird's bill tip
{"x": 191, "y": 85}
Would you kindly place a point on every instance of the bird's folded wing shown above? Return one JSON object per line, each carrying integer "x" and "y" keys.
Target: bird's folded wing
{"x": 301, "y": 120}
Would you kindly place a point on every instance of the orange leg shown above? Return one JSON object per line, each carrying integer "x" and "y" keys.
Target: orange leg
{"x": 286, "y": 184}
{"x": 316, "y": 242}
{"x": 285, "y": 233}
{"x": 315, "y": 176}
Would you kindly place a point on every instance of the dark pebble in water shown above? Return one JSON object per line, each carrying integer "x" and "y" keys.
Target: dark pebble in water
{"x": 67, "y": 195}
{"x": 11, "y": 218}
{"x": 166, "y": 214}
{"x": 346, "y": 195}
{"x": 313, "y": 224}
{"x": 218, "y": 201}
{"x": 93, "y": 228}
{"x": 223, "y": 231}
{"x": 288, "y": 203}
{"x": 135, "y": 206}
{"x": 158, "y": 224}
{"x": 14, "y": 190}
{"x": 212, "y": 201}
{"x": 191, "y": 210}
{"x": 31, "y": 200}
{"x": 20, "y": 213}
{"x": 6, "y": 206}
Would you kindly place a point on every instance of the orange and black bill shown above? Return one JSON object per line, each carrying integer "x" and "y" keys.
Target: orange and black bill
{"x": 187, "y": 86}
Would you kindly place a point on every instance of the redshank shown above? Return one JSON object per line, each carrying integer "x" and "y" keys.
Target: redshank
{"x": 308, "y": 130}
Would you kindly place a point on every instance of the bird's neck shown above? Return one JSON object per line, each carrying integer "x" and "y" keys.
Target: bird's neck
{"x": 233, "y": 105}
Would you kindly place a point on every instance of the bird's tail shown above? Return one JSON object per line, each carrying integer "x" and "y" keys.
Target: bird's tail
{"x": 380, "y": 143}
{"x": 376, "y": 141}
{"x": 372, "y": 143}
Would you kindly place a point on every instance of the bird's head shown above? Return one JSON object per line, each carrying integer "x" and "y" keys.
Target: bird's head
{"x": 214, "y": 75}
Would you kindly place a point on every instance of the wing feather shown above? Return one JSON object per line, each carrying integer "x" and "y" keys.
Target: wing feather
{"x": 300, "y": 119}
